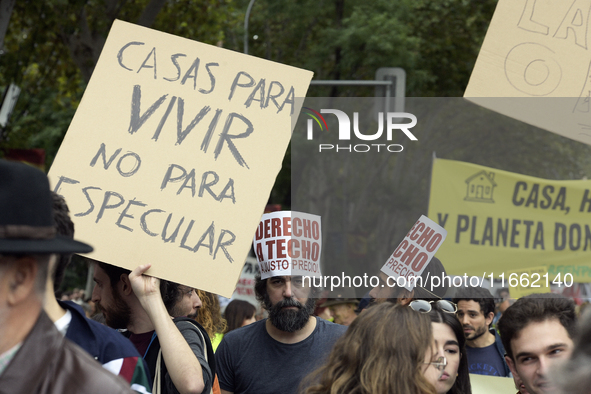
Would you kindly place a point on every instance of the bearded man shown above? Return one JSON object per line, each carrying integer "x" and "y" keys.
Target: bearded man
{"x": 274, "y": 355}
{"x": 134, "y": 301}
{"x": 484, "y": 349}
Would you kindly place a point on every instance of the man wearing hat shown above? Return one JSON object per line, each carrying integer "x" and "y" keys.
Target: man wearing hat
{"x": 34, "y": 356}
{"x": 342, "y": 306}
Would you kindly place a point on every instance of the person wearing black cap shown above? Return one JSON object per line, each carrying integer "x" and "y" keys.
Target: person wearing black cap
{"x": 34, "y": 356}
{"x": 342, "y": 305}
{"x": 107, "y": 346}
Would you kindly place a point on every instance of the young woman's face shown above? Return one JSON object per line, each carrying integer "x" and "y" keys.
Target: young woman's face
{"x": 445, "y": 344}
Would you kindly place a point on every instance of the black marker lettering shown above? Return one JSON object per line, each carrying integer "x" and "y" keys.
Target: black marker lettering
{"x": 168, "y": 176}
{"x": 176, "y": 64}
{"x": 209, "y": 232}
{"x": 224, "y": 136}
{"x": 85, "y": 191}
{"x": 261, "y": 89}
{"x": 289, "y": 99}
{"x": 103, "y": 152}
{"x": 136, "y": 121}
{"x": 194, "y": 68}
{"x": 211, "y": 79}
{"x": 125, "y": 215}
{"x": 190, "y": 177}
{"x": 145, "y": 65}
{"x": 134, "y": 169}
{"x": 63, "y": 179}
{"x": 144, "y": 224}
{"x": 105, "y": 204}
{"x": 176, "y": 231}
{"x": 271, "y": 96}
{"x": 207, "y": 186}
{"x": 120, "y": 53}
{"x": 164, "y": 118}
{"x": 242, "y": 85}
{"x": 210, "y": 130}
{"x": 224, "y": 244}
{"x": 182, "y": 134}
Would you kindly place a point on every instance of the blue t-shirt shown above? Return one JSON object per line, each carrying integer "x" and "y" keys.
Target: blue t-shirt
{"x": 485, "y": 361}
{"x": 249, "y": 360}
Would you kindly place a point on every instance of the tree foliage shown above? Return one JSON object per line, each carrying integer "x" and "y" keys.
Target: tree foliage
{"x": 52, "y": 46}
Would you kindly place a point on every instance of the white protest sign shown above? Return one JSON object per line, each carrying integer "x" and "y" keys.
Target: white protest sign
{"x": 172, "y": 154}
{"x": 416, "y": 250}
{"x": 288, "y": 243}
{"x": 245, "y": 286}
{"x": 539, "y": 50}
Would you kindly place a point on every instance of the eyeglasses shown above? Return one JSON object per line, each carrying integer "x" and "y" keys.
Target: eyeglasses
{"x": 440, "y": 363}
{"x": 425, "y": 306}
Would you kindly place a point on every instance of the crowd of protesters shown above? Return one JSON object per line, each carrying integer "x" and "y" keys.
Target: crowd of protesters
{"x": 163, "y": 337}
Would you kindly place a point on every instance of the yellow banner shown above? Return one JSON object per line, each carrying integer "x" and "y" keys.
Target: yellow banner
{"x": 500, "y": 222}
{"x": 528, "y": 281}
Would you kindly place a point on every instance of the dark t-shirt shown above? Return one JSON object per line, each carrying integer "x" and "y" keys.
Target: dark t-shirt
{"x": 141, "y": 341}
{"x": 485, "y": 361}
{"x": 149, "y": 349}
{"x": 249, "y": 360}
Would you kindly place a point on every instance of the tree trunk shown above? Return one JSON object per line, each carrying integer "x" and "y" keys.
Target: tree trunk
{"x": 5, "y": 12}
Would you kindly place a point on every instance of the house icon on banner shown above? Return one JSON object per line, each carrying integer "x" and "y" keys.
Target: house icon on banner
{"x": 480, "y": 187}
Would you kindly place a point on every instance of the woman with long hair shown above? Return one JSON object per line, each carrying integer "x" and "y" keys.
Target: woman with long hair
{"x": 450, "y": 343}
{"x": 238, "y": 314}
{"x": 385, "y": 350}
{"x": 210, "y": 317}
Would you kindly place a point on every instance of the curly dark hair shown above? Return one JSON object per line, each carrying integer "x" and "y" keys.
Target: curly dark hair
{"x": 477, "y": 294}
{"x": 171, "y": 293}
{"x": 64, "y": 227}
{"x": 536, "y": 308}
{"x": 114, "y": 273}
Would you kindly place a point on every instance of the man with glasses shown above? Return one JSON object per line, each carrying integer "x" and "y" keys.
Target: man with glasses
{"x": 476, "y": 310}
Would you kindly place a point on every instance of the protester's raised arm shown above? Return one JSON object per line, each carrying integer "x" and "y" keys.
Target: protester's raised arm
{"x": 182, "y": 365}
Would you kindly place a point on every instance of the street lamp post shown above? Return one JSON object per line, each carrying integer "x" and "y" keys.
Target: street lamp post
{"x": 246, "y": 26}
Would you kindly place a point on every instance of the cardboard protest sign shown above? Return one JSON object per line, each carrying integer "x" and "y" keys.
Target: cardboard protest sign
{"x": 501, "y": 221}
{"x": 538, "y": 50}
{"x": 288, "y": 243}
{"x": 172, "y": 154}
{"x": 414, "y": 253}
{"x": 483, "y": 384}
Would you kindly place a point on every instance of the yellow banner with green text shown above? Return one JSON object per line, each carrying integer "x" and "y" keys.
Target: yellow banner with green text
{"x": 499, "y": 222}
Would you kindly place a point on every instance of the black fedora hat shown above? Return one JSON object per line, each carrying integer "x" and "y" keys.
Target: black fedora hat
{"x": 26, "y": 217}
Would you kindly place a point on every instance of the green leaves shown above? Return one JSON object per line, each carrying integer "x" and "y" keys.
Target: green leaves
{"x": 52, "y": 48}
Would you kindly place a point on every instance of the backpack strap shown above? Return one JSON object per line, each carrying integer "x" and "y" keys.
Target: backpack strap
{"x": 156, "y": 386}
{"x": 161, "y": 369}
{"x": 208, "y": 353}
